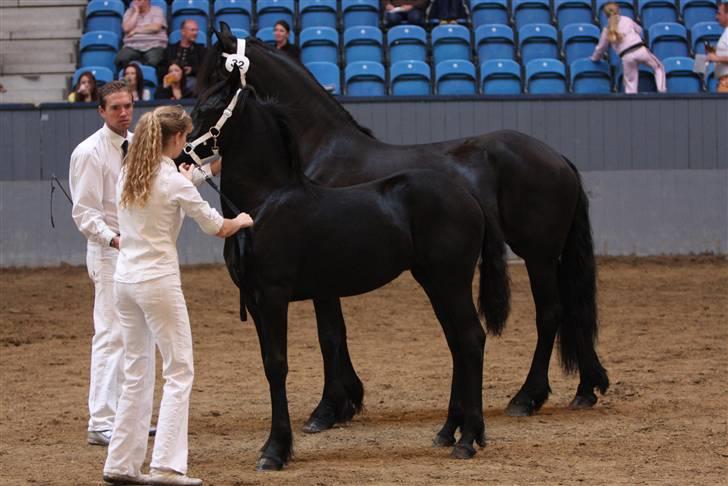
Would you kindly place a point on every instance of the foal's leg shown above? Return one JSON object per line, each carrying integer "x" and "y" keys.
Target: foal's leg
{"x": 545, "y": 290}
{"x": 343, "y": 391}
{"x": 272, "y": 326}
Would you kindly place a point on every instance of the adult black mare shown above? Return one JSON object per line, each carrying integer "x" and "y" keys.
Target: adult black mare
{"x": 534, "y": 193}
{"x": 314, "y": 242}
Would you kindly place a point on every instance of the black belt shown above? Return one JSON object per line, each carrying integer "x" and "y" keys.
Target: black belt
{"x": 631, "y": 49}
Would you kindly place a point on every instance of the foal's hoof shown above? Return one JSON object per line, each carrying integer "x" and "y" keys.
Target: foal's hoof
{"x": 443, "y": 441}
{"x": 269, "y": 464}
{"x": 463, "y": 451}
{"x": 314, "y": 425}
{"x": 520, "y": 408}
{"x": 582, "y": 402}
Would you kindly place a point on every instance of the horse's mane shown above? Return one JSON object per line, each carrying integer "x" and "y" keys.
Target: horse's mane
{"x": 210, "y": 65}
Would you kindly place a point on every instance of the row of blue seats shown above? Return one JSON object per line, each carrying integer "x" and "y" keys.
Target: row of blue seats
{"x": 106, "y": 14}
{"x": 366, "y": 43}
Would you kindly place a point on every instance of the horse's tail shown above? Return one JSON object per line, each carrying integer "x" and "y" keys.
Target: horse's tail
{"x": 494, "y": 298}
{"x": 577, "y": 287}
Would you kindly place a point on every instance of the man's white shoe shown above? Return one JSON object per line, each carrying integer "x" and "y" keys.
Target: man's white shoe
{"x": 98, "y": 437}
{"x": 161, "y": 477}
{"x": 112, "y": 478}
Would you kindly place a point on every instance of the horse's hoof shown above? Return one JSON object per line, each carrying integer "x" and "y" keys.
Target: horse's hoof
{"x": 518, "y": 408}
{"x": 462, "y": 451}
{"x": 582, "y": 402}
{"x": 481, "y": 440}
{"x": 443, "y": 441}
{"x": 315, "y": 425}
{"x": 269, "y": 464}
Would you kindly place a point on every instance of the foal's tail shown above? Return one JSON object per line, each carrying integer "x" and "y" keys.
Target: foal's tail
{"x": 577, "y": 288}
{"x": 494, "y": 298}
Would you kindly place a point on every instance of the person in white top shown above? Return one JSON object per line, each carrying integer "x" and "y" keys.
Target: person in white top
{"x": 153, "y": 198}
{"x": 94, "y": 169}
{"x": 625, "y": 35}
{"x": 720, "y": 55}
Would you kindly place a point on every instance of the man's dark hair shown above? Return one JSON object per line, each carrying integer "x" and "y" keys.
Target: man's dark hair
{"x": 111, "y": 88}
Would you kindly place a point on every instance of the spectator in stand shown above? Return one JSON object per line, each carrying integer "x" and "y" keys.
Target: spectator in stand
{"x": 720, "y": 54}
{"x": 85, "y": 90}
{"x": 187, "y": 53}
{"x": 174, "y": 86}
{"x": 281, "y": 34}
{"x": 404, "y": 12}
{"x": 625, "y": 35}
{"x": 145, "y": 35}
{"x": 135, "y": 80}
{"x": 447, "y": 11}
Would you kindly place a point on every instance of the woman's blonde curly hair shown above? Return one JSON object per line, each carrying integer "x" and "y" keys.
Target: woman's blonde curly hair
{"x": 154, "y": 130}
{"x": 611, "y": 10}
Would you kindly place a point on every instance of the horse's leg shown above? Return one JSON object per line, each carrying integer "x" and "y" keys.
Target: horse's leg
{"x": 343, "y": 391}
{"x": 545, "y": 290}
{"x": 270, "y": 317}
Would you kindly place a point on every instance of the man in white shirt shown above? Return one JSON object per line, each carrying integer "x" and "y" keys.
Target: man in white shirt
{"x": 94, "y": 170}
{"x": 720, "y": 56}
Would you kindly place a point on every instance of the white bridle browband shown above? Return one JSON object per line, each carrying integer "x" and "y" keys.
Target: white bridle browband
{"x": 232, "y": 61}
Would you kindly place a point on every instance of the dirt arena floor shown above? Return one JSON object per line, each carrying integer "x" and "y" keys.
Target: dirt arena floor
{"x": 664, "y": 340}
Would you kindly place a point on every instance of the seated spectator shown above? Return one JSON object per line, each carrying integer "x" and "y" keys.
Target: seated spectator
{"x": 174, "y": 86}
{"x": 281, "y": 34}
{"x": 447, "y": 11}
{"x": 145, "y": 35}
{"x": 135, "y": 79}
{"x": 186, "y": 53}
{"x": 404, "y": 12}
{"x": 85, "y": 90}
{"x": 719, "y": 54}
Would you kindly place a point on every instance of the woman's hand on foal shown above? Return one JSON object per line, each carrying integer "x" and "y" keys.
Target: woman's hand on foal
{"x": 244, "y": 220}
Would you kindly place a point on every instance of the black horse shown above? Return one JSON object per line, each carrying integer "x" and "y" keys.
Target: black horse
{"x": 315, "y": 242}
{"x": 533, "y": 192}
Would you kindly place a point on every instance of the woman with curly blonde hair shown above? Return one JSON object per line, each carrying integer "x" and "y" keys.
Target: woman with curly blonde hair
{"x": 625, "y": 35}
{"x": 153, "y": 198}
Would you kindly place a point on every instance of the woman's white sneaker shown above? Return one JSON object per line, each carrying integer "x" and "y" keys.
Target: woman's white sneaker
{"x": 161, "y": 477}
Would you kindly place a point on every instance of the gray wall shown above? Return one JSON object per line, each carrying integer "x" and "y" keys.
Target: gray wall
{"x": 655, "y": 169}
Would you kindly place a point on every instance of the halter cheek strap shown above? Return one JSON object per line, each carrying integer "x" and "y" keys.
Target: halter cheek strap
{"x": 237, "y": 60}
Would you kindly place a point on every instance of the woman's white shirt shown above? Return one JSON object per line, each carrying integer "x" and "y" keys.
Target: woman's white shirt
{"x": 149, "y": 233}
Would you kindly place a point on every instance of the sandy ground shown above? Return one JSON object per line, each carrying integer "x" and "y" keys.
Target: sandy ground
{"x": 664, "y": 340}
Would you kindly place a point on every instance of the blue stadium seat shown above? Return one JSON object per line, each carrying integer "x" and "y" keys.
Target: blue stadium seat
{"x": 668, "y": 40}
{"x": 101, "y": 73}
{"x": 239, "y": 33}
{"x": 703, "y": 32}
{"x": 175, "y": 36}
{"x": 680, "y": 76}
{"x": 407, "y": 42}
{"x": 578, "y": 41}
{"x": 317, "y": 13}
{"x": 531, "y": 12}
{"x": 319, "y": 44}
{"x": 327, "y": 74}
{"x": 189, "y": 9}
{"x": 537, "y": 41}
{"x": 546, "y": 76}
{"x": 489, "y": 12}
{"x": 711, "y": 82}
{"x": 573, "y": 12}
{"x": 494, "y": 41}
{"x": 104, "y": 15}
{"x": 266, "y": 35}
{"x": 235, "y": 13}
{"x": 98, "y": 49}
{"x": 655, "y": 11}
{"x": 410, "y": 78}
{"x": 626, "y": 8}
{"x": 450, "y": 42}
{"x": 364, "y": 78}
{"x": 645, "y": 83}
{"x": 694, "y": 11}
{"x": 360, "y": 12}
{"x": 588, "y": 77}
{"x": 271, "y": 11}
{"x": 455, "y": 77}
{"x": 500, "y": 76}
{"x": 363, "y": 43}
